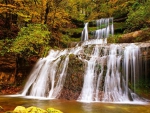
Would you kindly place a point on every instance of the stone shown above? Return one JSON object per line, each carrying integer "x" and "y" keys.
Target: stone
{"x": 136, "y": 33}
{"x": 33, "y": 109}
{"x": 20, "y": 109}
{"x": 52, "y": 110}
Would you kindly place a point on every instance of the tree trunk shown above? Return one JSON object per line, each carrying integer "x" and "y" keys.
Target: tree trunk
{"x": 43, "y": 13}
{"x": 46, "y": 13}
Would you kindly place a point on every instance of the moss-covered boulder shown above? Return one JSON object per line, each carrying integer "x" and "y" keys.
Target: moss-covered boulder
{"x": 33, "y": 109}
{"x": 20, "y": 109}
{"x": 52, "y": 110}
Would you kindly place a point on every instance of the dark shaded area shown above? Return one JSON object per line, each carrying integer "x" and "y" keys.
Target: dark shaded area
{"x": 7, "y": 31}
{"x": 9, "y": 83}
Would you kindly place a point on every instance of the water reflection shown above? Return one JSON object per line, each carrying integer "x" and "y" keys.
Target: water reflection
{"x": 9, "y": 103}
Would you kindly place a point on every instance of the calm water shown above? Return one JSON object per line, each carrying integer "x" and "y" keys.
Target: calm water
{"x": 9, "y": 103}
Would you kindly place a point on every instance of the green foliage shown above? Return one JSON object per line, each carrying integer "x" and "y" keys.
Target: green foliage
{"x": 120, "y": 9}
{"x": 60, "y": 15}
{"x": 138, "y": 16}
{"x": 114, "y": 39}
{"x": 66, "y": 40}
{"x": 5, "y": 45}
{"x": 1, "y": 44}
{"x": 32, "y": 40}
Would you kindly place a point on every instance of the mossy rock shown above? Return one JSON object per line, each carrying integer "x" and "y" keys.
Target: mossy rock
{"x": 33, "y": 109}
{"x": 20, "y": 109}
{"x": 52, "y": 110}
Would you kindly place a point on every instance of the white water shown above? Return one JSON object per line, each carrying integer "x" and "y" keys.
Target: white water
{"x": 84, "y": 35}
{"x": 42, "y": 81}
{"x": 105, "y": 28}
{"x": 106, "y": 74}
{"x": 115, "y": 87}
{"x": 108, "y": 71}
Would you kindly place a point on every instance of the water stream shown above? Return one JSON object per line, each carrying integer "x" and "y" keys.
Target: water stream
{"x": 108, "y": 69}
{"x": 9, "y": 103}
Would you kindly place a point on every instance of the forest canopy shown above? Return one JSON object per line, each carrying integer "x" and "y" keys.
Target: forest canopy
{"x": 22, "y": 21}
{"x": 30, "y": 28}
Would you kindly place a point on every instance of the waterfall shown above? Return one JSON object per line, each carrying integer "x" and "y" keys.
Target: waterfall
{"x": 43, "y": 76}
{"x": 84, "y": 34}
{"x": 110, "y": 75}
{"x": 42, "y": 81}
{"x": 111, "y": 84}
{"x": 108, "y": 71}
{"x": 105, "y": 28}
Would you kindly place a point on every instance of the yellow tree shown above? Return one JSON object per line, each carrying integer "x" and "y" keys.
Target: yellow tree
{"x": 54, "y": 14}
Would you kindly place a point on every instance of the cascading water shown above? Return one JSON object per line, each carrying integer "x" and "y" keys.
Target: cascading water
{"x": 84, "y": 35}
{"x": 108, "y": 71}
{"x": 42, "y": 81}
{"x": 105, "y": 28}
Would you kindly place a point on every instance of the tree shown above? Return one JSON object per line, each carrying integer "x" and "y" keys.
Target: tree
{"x": 139, "y": 16}
{"x": 7, "y": 20}
{"x": 31, "y": 40}
{"x": 57, "y": 18}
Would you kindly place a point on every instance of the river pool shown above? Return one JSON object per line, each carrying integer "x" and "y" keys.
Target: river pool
{"x": 10, "y": 102}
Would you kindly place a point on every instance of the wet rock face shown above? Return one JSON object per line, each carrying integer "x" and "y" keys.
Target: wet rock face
{"x": 74, "y": 79}
{"x": 75, "y": 72}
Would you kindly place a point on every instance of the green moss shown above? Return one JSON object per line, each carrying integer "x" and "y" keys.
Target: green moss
{"x": 119, "y": 26}
{"x": 52, "y": 110}
{"x": 114, "y": 39}
{"x": 137, "y": 39}
{"x": 75, "y": 40}
{"x": 33, "y": 109}
{"x": 77, "y": 30}
{"x": 20, "y": 109}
